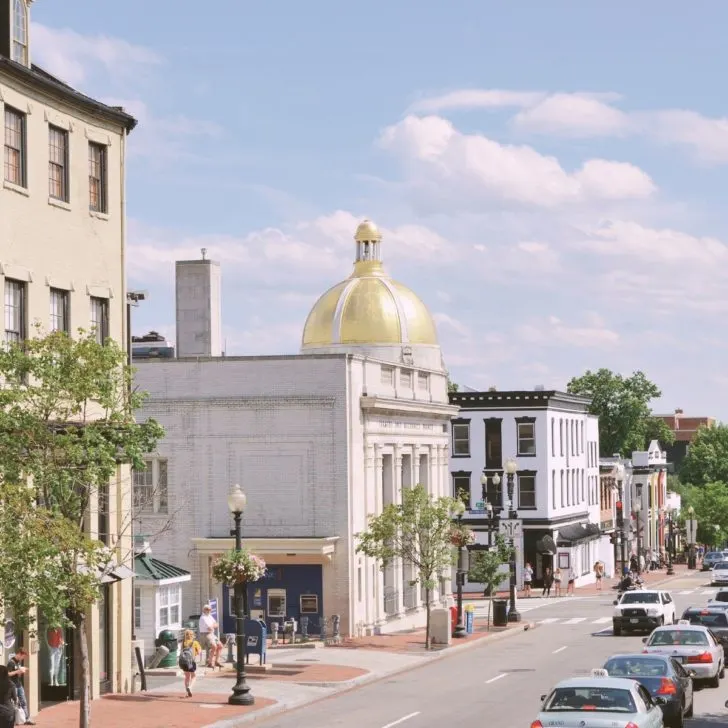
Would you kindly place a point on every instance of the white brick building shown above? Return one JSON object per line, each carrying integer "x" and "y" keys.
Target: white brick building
{"x": 555, "y": 442}
{"x": 317, "y": 441}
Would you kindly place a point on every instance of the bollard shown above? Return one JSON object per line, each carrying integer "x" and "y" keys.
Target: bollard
{"x": 304, "y": 629}
{"x": 274, "y": 632}
{"x": 230, "y": 645}
{"x": 323, "y": 629}
{"x": 335, "y": 626}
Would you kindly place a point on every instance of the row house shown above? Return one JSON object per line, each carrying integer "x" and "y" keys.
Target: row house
{"x": 555, "y": 443}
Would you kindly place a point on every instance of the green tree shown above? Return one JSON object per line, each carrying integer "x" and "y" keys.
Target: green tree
{"x": 452, "y": 386}
{"x": 418, "y": 530}
{"x": 623, "y": 407}
{"x": 710, "y": 502}
{"x": 67, "y": 426}
{"x": 485, "y": 568}
{"x": 707, "y": 457}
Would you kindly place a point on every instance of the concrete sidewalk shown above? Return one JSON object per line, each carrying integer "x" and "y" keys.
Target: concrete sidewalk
{"x": 296, "y": 677}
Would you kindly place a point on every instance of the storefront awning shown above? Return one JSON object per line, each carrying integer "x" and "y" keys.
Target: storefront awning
{"x": 268, "y": 547}
{"x": 578, "y": 532}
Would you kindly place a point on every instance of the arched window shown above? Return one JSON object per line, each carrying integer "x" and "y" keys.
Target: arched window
{"x": 20, "y": 32}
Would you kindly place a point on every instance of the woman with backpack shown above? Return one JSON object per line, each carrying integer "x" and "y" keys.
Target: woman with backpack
{"x": 187, "y": 662}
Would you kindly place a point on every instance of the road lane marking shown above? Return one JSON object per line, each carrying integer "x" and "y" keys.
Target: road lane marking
{"x": 550, "y": 620}
{"x": 401, "y": 720}
{"x": 575, "y": 620}
{"x": 561, "y": 649}
{"x": 497, "y": 677}
{"x": 602, "y": 620}
{"x": 687, "y": 591}
{"x": 708, "y": 591}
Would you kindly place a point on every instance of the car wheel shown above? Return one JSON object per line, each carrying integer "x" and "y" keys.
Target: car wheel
{"x": 689, "y": 711}
{"x": 676, "y": 722}
{"x": 721, "y": 674}
{"x": 714, "y": 682}
{"x": 616, "y": 630}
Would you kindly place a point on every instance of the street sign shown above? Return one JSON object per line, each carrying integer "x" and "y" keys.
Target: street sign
{"x": 480, "y": 505}
{"x": 510, "y": 528}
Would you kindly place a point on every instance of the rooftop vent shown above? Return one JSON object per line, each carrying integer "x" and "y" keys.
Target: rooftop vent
{"x": 539, "y": 388}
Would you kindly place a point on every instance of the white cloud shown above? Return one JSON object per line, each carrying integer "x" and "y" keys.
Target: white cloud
{"x": 578, "y": 115}
{"x": 554, "y": 332}
{"x": 74, "y": 57}
{"x": 476, "y": 167}
{"x": 477, "y": 99}
{"x": 706, "y": 137}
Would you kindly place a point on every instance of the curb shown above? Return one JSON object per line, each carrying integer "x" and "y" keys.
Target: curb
{"x": 372, "y": 677}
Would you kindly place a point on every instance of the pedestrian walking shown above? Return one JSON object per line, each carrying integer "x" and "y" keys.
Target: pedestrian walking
{"x": 8, "y": 699}
{"x": 642, "y": 562}
{"x": 557, "y": 582}
{"x": 548, "y": 580}
{"x": 527, "y": 579}
{"x": 599, "y": 574}
{"x": 187, "y": 661}
{"x": 572, "y": 581}
{"x": 634, "y": 564}
{"x": 16, "y": 670}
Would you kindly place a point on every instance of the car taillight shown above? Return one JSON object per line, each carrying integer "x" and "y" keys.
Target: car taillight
{"x": 631, "y": 725}
{"x": 539, "y": 724}
{"x": 703, "y": 659}
{"x": 667, "y": 687}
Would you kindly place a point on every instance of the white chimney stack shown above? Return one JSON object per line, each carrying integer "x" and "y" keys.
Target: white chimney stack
{"x": 199, "y": 308}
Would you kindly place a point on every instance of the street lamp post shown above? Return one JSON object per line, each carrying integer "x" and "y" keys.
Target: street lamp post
{"x": 620, "y": 496}
{"x": 670, "y": 543}
{"x": 691, "y": 538}
{"x": 460, "y": 630}
{"x": 511, "y": 466}
{"x": 637, "y": 508}
{"x": 241, "y": 690}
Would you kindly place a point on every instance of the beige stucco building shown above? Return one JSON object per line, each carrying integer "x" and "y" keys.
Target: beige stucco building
{"x": 62, "y": 217}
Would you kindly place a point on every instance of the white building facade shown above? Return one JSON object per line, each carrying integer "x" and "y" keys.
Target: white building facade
{"x": 62, "y": 266}
{"x": 555, "y": 443}
{"x": 318, "y": 441}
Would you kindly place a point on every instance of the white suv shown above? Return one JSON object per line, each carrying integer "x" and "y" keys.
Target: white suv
{"x": 642, "y": 610}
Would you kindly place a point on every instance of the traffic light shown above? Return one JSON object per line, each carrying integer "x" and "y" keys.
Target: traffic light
{"x": 620, "y": 515}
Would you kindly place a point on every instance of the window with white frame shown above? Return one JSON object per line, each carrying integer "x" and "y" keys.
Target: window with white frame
{"x": 553, "y": 437}
{"x": 526, "y": 438}
{"x": 553, "y": 487}
{"x": 423, "y": 380}
{"x": 15, "y": 328}
{"x": 405, "y": 378}
{"x": 137, "y": 608}
{"x": 169, "y": 599}
{"x": 387, "y": 376}
{"x": 526, "y": 490}
{"x": 19, "y": 52}
{"x": 561, "y": 437}
{"x": 100, "y": 318}
{"x": 461, "y": 438}
{"x": 60, "y": 309}
{"x": 150, "y": 487}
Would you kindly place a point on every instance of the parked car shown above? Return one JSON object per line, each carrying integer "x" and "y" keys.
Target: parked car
{"x": 642, "y": 610}
{"x": 711, "y": 559}
{"x": 664, "y": 677}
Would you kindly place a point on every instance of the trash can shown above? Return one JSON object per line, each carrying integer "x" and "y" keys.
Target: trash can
{"x": 500, "y": 612}
{"x": 168, "y": 639}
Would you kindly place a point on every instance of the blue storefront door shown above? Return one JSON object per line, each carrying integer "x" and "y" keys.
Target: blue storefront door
{"x": 285, "y": 592}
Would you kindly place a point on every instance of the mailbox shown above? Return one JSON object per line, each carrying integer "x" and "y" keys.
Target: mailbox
{"x": 256, "y": 639}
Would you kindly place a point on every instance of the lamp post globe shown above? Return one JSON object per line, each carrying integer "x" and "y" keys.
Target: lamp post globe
{"x": 241, "y": 690}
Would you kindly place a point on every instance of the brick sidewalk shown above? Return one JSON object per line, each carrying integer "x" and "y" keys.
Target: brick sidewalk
{"x": 150, "y": 710}
{"x": 303, "y": 672}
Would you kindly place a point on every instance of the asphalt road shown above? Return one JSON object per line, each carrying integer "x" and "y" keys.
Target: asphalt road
{"x": 500, "y": 684}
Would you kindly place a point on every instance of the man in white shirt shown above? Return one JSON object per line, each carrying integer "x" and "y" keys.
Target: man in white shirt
{"x": 208, "y": 636}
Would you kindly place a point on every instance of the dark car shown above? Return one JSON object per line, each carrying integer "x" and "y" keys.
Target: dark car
{"x": 715, "y": 618}
{"x": 663, "y": 677}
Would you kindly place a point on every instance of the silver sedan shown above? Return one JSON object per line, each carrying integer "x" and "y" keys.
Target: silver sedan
{"x": 692, "y": 645}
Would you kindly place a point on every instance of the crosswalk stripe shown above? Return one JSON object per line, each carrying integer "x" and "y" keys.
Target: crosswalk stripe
{"x": 687, "y": 591}
{"x": 575, "y": 620}
{"x": 549, "y": 620}
{"x": 708, "y": 591}
{"x": 602, "y": 620}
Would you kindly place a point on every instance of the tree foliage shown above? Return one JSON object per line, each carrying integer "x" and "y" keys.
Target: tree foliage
{"x": 452, "y": 386}
{"x": 418, "y": 530}
{"x": 485, "y": 567}
{"x": 710, "y": 502}
{"x": 623, "y": 407}
{"x": 66, "y": 426}
{"x": 707, "y": 457}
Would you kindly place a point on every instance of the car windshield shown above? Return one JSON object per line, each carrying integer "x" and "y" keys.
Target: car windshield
{"x": 685, "y": 637}
{"x": 634, "y": 666}
{"x": 721, "y": 565}
{"x": 712, "y": 619}
{"x": 643, "y": 598}
{"x": 590, "y": 699}
{"x": 721, "y": 597}
{"x": 713, "y": 556}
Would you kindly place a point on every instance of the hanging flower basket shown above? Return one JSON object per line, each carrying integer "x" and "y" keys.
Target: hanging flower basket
{"x": 461, "y": 537}
{"x": 238, "y": 567}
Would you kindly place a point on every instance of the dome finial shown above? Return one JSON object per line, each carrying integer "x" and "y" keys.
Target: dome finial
{"x": 367, "y": 232}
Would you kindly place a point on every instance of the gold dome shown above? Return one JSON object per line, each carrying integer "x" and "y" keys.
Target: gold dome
{"x": 368, "y": 307}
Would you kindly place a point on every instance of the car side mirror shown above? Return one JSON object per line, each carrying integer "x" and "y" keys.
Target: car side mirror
{"x": 644, "y": 640}
{"x": 660, "y": 701}
{"x": 615, "y": 602}
{"x": 543, "y": 697}
{"x": 692, "y": 673}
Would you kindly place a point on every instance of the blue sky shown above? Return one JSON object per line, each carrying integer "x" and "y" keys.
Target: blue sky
{"x": 550, "y": 177}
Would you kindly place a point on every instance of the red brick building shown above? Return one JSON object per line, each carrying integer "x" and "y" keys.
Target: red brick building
{"x": 685, "y": 429}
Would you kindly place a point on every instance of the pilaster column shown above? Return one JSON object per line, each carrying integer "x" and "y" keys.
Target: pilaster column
{"x": 377, "y": 592}
{"x": 398, "y": 567}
